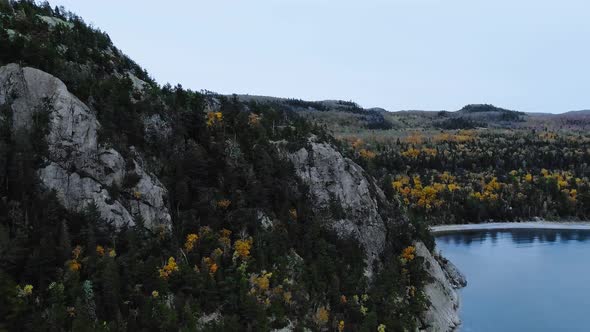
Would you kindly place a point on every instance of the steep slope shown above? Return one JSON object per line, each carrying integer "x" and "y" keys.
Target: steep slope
{"x": 80, "y": 169}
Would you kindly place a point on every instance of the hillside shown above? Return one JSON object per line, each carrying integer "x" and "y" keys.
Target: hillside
{"x": 125, "y": 205}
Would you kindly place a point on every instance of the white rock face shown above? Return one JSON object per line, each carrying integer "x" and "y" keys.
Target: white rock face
{"x": 54, "y": 21}
{"x": 331, "y": 177}
{"x": 264, "y": 220}
{"x": 78, "y": 168}
{"x": 442, "y": 315}
{"x": 138, "y": 84}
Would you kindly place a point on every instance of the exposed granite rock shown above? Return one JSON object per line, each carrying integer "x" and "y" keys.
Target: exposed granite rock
{"x": 264, "y": 220}
{"x": 211, "y": 318}
{"x": 442, "y": 314}
{"x": 78, "y": 168}
{"x": 54, "y": 21}
{"x": 156, "y": 128}
{"x": 455, "y": 276}
{"x": 212, "y": 104}
{"x": 138, "y": 85}
{"x": 334, "y": 179}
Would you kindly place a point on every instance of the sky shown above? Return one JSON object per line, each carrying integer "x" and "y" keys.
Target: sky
{"x": 526, "y": 55}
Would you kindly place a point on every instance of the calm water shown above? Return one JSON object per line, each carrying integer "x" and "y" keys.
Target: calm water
{"x": 522, "y": 280}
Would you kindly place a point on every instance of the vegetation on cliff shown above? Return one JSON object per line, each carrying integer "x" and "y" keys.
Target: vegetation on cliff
{"x": 244, "y": 251}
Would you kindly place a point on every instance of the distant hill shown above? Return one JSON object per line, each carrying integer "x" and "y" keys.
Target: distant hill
{"x": 575, "y": 113}
{"x": 336, "y": 114}
{"x": 489, "y": 115}
{"x": 348, "y": 117}
{"x": 485, "y": 108}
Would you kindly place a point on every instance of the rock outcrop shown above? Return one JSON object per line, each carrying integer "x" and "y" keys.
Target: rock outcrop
{"x": 455, "y": 276}
{"x": 77, "y": 167}
{"x": 332, "y": 178}
{"x": 443, "y": 312}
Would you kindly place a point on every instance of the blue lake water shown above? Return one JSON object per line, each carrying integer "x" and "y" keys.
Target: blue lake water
{"x": 522, "y": 280}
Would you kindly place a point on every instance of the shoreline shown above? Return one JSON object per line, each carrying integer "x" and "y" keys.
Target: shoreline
{"x": 564, "y": 225}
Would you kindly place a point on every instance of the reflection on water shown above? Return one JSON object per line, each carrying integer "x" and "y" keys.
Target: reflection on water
{"x": 522, "y": 280}
{"x": 518, "y": 237}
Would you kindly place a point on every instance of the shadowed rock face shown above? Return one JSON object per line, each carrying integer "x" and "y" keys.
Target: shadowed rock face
{"x": 77, "y": 167}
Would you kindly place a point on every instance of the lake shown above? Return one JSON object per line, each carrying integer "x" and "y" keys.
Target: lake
{"x": 522, "y": 280}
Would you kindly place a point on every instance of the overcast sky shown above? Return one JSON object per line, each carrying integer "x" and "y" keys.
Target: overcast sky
{"x": 528, "y": 55}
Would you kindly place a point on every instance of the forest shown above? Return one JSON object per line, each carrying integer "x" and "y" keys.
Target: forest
{"x": 484, "y": 174}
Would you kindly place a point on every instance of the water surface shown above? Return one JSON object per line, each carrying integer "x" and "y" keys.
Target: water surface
{"x": 522, "y": 280}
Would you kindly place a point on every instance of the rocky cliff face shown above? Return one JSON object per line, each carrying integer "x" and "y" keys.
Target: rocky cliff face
{"x": 77, "y": 167}
{"x": 442, "y": 315}
{"x": 332, "y": 177}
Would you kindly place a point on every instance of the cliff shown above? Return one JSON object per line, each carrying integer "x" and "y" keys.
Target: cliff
{"x": 76, "y": 166}
{"x": 443, "y": 312}
{"x": 333, "y": 178}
